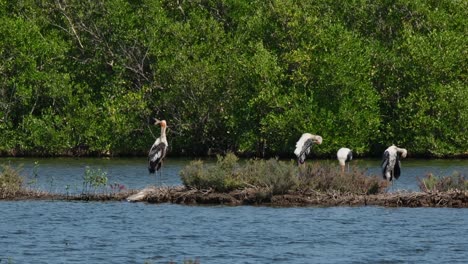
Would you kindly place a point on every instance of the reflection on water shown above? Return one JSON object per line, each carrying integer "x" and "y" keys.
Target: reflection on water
{"x": 121, "y": 232}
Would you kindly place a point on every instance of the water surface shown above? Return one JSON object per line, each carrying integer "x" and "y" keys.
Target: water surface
{"x": 121, "y": 232}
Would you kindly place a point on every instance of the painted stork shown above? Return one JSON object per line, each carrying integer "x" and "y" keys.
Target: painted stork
{"x": 304, "y": 145}
{"x": 344, "y": 155}
{"x": 391, "y": 166}
{"x": 158, "y": 151}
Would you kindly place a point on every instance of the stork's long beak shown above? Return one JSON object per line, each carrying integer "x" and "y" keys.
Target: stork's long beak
{"x": 156, "y": 121}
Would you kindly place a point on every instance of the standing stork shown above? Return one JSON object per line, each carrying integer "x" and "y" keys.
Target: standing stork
{"x": 391, "y": 166}
{"x": 344, "y": 155}
{"x": 304, "y": 145}
{"x": 158, "y": 151}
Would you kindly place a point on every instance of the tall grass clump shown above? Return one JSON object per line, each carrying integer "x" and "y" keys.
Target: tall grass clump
{"x": 456, "y": 181}
{"x": 10, "y": 181}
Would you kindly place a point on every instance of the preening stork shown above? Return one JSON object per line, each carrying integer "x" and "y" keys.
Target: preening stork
{"x": 158, "y": 151}
{"x": 391, "y": 166}
{"x": 304, "y": 145}
{"x": 344, "y": 155}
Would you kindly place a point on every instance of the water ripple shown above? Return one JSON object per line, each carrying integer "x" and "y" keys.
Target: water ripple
{"x": 134, "y": 233}
{"x": 119, "y": 232}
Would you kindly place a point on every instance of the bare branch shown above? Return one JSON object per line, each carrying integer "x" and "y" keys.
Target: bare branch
{"x": 62, "y": 9}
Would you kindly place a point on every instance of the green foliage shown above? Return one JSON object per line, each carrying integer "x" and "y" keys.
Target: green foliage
{"x": 456, "y": 181}
{"x": 84, "y": 77}
{"x": 10, "y": 181}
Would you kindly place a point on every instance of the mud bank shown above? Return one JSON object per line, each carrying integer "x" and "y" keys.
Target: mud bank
{"x": 253, "y": 196}
{"x": 181, "y": 195}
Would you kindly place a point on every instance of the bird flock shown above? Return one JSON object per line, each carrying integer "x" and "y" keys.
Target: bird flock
{"x": 391, "y": 164}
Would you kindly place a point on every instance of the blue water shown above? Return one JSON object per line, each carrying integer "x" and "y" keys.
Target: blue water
{"x": 66, "y": 174}
{"x": 121, "y": 232}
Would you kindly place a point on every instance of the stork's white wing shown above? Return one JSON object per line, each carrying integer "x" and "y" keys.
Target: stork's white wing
{"x": 300, "y": 143}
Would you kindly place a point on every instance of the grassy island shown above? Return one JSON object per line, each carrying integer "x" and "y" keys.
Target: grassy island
{"x": 259, "y": 182}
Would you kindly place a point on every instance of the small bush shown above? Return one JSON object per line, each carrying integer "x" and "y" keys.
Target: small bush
{"x": 456, "y": 181}
{"x": 10, "y": 181}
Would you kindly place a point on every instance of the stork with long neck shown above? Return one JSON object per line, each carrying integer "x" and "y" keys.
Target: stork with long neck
{"x": 391, "y": 165}
{"x": 344, "y": 155}
{"x": 158, "y": 151}
{"x": 304, "y": 144}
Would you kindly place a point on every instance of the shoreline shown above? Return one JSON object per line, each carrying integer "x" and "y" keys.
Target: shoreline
{"x": 260, "y": 197}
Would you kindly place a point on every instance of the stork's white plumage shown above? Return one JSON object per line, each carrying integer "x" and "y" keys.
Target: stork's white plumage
{"x": 158, "y": 151}
{"x": 304, "y": 144}
{"x": 344, "y": 155}
{"x": 391, "y": 165}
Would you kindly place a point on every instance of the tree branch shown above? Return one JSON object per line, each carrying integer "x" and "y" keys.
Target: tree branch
{"x": 62, "y": 9}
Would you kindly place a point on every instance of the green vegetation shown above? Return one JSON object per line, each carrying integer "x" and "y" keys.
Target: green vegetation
{"x": 84, "y": 77}
{"x": 456, "y": 181}
{"x": 277, "y": 177}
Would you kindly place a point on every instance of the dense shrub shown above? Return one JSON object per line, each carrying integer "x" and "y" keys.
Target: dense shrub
{"x": 277, "y": 177}
{"x": 227, "y": 174}
{"x": 83, "y": 77}
{"x": 220, "y": 177}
